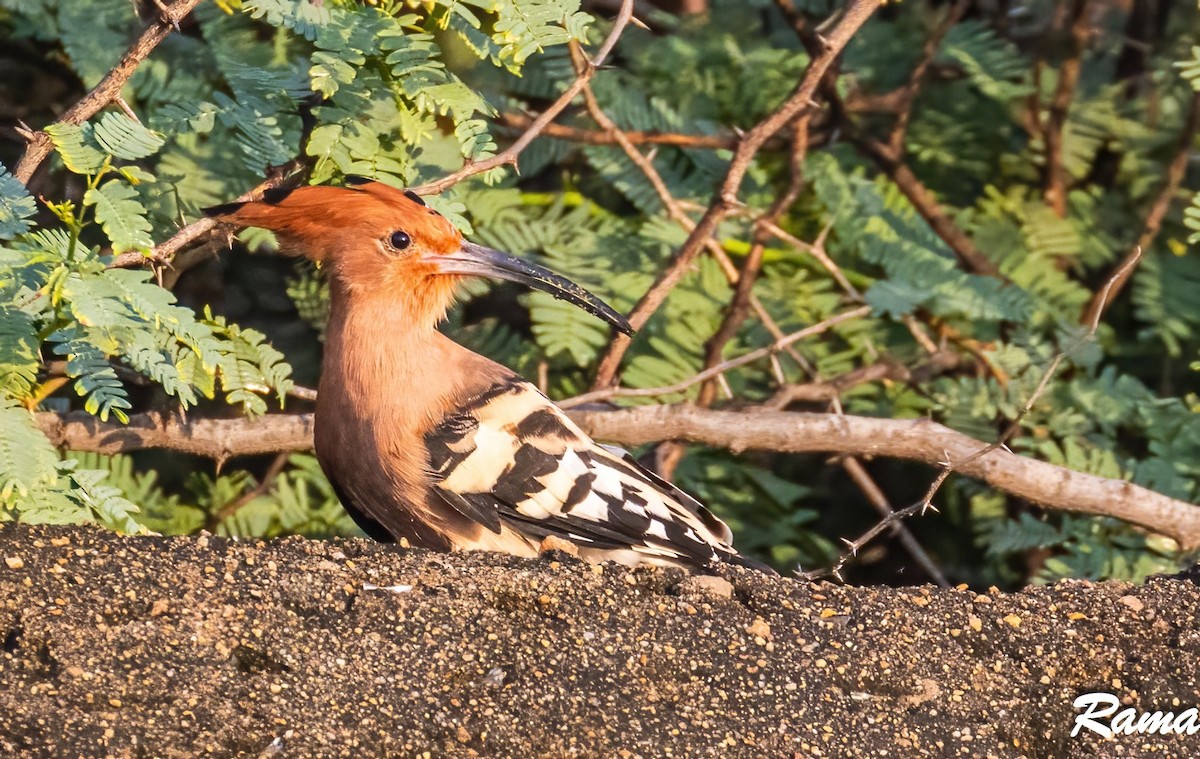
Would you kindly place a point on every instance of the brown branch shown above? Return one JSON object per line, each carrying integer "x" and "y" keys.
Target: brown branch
{"x": 739, "y": 307}
{"x": 40, "y": 145}
{"x": 674, "y": 208}
{"x": 889, "y": 157}
{"x": 217, "y": 439}
{"x": 1055, "y": 176}
{"x": 229, "y": 509}
{"x": 604, "y": 137}
{"x": 726, "y": 197}
{"x": 951, "y": 464}
{"x": 509, "y": 156}
{"x": 832, "y": 389}
{"x": 908, "y": 93}
{"x": 914, "y": 440}
{"x": 818, "y": 252}
{"x": 924, "y": 202}
{"x": 164, "y": 252}
{"x": 1158, "y": 211}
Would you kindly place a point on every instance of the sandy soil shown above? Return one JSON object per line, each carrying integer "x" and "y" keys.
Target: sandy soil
{"x": 118, "y": 646}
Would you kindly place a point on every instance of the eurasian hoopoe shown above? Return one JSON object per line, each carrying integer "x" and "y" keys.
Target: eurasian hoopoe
{"x": 427, "y": 441}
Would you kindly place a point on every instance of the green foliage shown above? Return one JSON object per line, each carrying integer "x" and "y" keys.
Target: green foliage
{"x": 407, "y": 92}
{"x": 1092, "y": 548}
{"x": 15, "y": 206}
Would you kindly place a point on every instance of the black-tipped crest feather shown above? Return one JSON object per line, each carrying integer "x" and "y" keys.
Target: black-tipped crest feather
{"x": 224, "y": 209}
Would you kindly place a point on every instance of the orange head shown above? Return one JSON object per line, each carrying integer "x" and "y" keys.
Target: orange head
{"x": 378, "y": 241}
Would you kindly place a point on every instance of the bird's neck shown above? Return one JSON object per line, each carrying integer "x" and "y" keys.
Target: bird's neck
{"x": 388, "y": 364}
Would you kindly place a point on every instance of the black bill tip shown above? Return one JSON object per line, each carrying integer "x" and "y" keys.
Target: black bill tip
{"x": 476, "y": 260}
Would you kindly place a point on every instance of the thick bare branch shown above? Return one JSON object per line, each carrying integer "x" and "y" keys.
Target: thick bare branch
{"x": 915, "y": 440}
{"x": 109, "y": 87}
{"x": 217, "y": 439}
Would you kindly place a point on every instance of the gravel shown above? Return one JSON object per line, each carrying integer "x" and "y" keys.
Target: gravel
{"x": 178, "y": 647}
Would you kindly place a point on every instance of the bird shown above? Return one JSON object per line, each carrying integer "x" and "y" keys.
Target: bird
{"x": 428, "y": 443}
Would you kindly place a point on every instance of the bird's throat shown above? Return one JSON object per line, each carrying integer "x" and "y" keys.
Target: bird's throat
{"x": 382, "y": 366}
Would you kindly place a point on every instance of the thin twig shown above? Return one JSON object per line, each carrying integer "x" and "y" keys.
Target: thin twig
{"x": 817, "y": 251}
{"x": 862, "y": 478}
{"x": 1055, "y": 177}
{"x": 910, "y": 91}
{"x": 231, "y": 508}
{"x": 951, "y": 463}
{"x": 637, "y": 137}
{"x": 1158, "y": 210}
{"x": 509, "y": 156}
{"x": 606, "y": 393}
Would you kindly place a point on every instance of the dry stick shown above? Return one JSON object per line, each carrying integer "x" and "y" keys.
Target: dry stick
{"x": 791, "y": 432}
{"x": 1055, "y": 179}
{"x": 890, "y": 157}
{"x": 726, "y": 197}
{"x": 922, "y": 200}
{"x": 875, "y": 495}
{"x": 512, "y": 153}
{"x": 164, "y": 252}
{"x": 817, "y": 251}
{"x": 827, "y": 390}
{"x": 1158, "y": 211}
{"x": 109, "y": 88}
{"x": 607, "y": 393}
{"x": 950, "y": 464}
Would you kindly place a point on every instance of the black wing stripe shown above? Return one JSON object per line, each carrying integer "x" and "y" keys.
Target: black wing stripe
{"x": 478, "y": 507}
{"x": 519, "y": 480}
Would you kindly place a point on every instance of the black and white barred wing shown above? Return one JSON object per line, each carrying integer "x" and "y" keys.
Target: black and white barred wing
{"x": 511, "y": 456}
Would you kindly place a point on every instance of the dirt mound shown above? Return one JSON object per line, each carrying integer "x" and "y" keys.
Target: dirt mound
{"x": 185, "y": 646}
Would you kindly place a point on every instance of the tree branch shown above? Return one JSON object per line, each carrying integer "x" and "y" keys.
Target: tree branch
{"x": 109, "y": 88}
{"x": 1055, "y": 180}
{"x": 605, "y": 137}
{"x": 725, "y": 198}
{"x": 790, "y": 432}
{"x": 510, "y": 155}
{"x": 925, "y": 203}
{"x": 1158, "y": 211}
{"x": 673, "y": 207}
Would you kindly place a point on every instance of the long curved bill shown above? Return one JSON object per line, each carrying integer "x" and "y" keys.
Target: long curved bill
{"x": 476, "y": 260}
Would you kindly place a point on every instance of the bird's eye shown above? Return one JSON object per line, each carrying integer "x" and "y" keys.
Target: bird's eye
{"x": 400, "y": 240}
